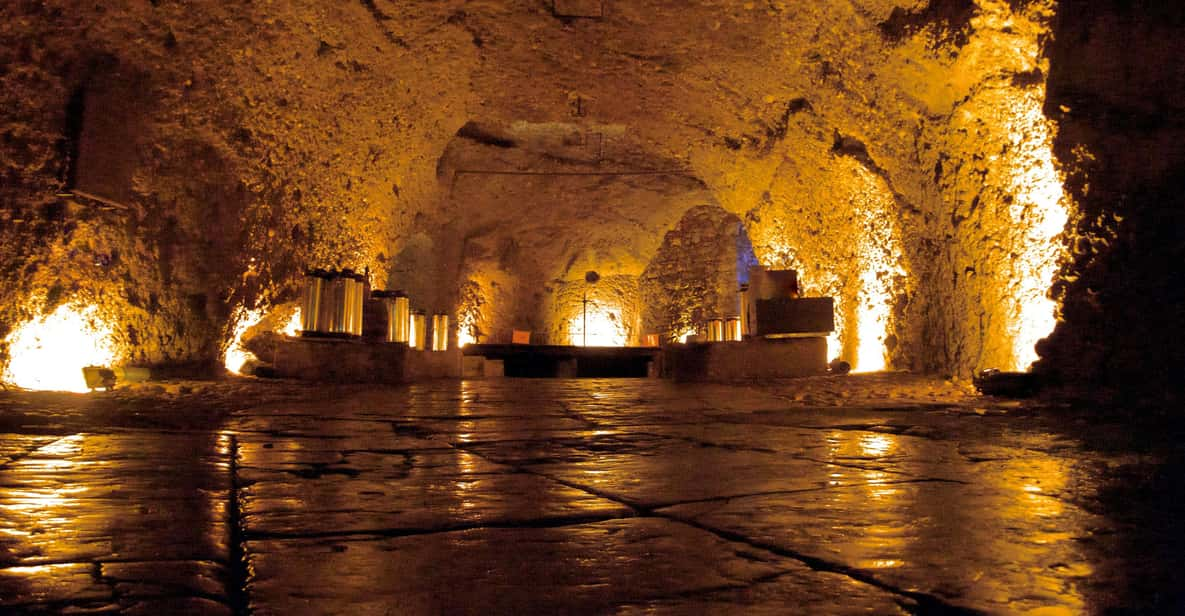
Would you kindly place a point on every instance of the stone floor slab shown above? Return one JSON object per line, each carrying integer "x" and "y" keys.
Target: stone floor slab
{"x": 587, "y": 568}
{"x": 799, "y": 591}
{"x": 1000, "y": 550}
{"x": 680, "y": 472}
{"x": 865, "y": 494}
{"x": 416, "y": 504}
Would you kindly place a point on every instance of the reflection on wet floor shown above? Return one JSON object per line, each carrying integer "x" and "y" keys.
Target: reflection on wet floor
{"x": 78, "y": 514}
{"x": 511, "y": 496}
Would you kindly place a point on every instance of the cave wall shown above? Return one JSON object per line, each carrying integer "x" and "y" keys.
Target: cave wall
{"x": 612, "y": 316}
{"x": 924, "y": 117}
{"x": 1115, "y": 90}
{"x": 146, "y": 265}
{"x": 265, "y": 145}
{"x": 899, "y": 153}
{"x": 926, "y": 122}
{"x": 838, "y": 226}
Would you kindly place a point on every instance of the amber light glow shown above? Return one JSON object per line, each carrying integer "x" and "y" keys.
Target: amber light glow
{"x": 879, "y": 256}
{"x": 466, "y": 327}
{"x": 603, "y": 326}
{"x": 236, "y": 355}
{"x": 1041, "y": 209}
{"x": 49, "y": 352}
{"x": 413, "y": 335}
{"x": 880, "y": 263}
{"x": 292, "y": 327}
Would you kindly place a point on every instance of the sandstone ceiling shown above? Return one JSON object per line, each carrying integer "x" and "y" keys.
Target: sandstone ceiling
{"x": 894, "y": 151}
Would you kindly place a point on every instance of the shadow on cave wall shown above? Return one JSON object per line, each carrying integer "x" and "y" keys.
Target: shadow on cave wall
{"x": 1117, "y": 92}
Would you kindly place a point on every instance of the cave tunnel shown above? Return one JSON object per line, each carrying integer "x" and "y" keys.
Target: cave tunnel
{"x": 975, "y": 185}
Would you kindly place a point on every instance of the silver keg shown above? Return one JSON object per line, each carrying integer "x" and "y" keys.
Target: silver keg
{"x": 311, "y": 320}
{"x": 440, "y": 332}
{"x": 397, "y": 309}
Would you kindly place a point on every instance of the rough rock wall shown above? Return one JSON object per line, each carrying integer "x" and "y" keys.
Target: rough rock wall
{"x": 1115, "y": 90}
{"x": 611, "y": 317}
{"x": 879, "y": 100}
{"x": 130, "y": 261}
{"x": 923, "y": 121}
{"x": 1004, "y": 202}
{"x": 839, "y": 228}
{"x": 892, "y": 150}
{"x": 693, "y": 277}
{"x": 273, "y": 137}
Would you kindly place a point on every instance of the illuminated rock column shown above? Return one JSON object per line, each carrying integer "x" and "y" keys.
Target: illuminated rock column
{"x": 1039, "y": 211}
{"x": 1010, "y": 209}
{"x": 840, "y": 231}
{"x": 880, "y": 263}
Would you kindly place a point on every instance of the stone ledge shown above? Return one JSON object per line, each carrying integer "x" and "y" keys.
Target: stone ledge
{"x": 753, "y": 358}
{"x": 357, "y": 361}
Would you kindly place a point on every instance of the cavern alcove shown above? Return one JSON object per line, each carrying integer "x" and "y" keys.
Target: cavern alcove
{"x": 532, "y": 209}
{"x": 537, "y": 205}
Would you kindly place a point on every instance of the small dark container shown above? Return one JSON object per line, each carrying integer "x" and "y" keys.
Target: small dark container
{"x": 993, "y": 382}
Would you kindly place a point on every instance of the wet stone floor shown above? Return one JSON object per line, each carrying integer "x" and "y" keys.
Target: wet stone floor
{"x": 883, "y": 494}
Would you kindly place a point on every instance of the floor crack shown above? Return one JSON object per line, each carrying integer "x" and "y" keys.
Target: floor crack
{"x": 926, "y": 604}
